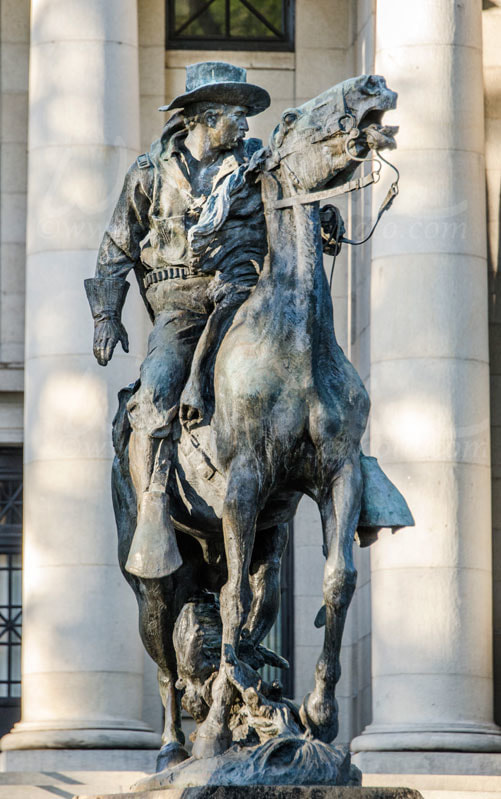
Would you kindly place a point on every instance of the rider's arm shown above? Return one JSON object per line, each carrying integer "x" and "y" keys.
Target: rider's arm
{"x": 119, "y": 249}
{"x": 117, "y": 255}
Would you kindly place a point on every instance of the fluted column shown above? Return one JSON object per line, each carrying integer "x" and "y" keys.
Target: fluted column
{"x": 432, "y": 585}
{"x": 82, "y": 660}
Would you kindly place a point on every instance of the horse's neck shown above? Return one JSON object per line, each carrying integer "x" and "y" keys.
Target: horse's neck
{"x": 294, "y": 271}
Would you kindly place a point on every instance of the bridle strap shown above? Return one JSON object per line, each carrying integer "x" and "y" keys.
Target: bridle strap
{"x": 315, "y": 196}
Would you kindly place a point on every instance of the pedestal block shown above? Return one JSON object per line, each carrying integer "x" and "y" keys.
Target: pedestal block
{"x": 267, "y": 792}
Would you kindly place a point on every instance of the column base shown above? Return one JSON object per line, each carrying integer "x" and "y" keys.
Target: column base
{"x": 440, "y": 770}
{"x": 95, "y": 762}
{"x": 433, "y": 737}
{"x": 106, "y": 734}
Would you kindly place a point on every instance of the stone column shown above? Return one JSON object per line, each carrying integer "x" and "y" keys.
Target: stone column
{"x": 492, "y": 81}
{"x": 82, "y": 659}
{"x": 432, "y": 584}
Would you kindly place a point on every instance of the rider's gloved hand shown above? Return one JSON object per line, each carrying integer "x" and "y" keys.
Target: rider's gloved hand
{"x": 107, "y": 334}
{"x": 332, "y": 227}
{"x": 106, "y": 297}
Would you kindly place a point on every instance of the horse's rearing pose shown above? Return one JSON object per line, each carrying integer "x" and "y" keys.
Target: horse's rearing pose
{"x": 287, "y": 413}
{"x": 290, "y": 409}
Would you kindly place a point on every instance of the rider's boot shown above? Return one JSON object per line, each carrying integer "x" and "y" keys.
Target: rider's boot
{"x": 154, "y": 552}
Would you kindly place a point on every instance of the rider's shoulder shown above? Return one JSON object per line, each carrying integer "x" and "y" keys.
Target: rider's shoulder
{"x": 144, "y": 161}
{"x": 139, "y": 168}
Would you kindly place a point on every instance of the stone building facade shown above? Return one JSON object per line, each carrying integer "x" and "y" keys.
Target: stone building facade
{"x": 416, "y": 310}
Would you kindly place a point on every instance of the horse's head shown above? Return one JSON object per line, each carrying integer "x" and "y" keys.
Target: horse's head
{"x": 315, "y": 143}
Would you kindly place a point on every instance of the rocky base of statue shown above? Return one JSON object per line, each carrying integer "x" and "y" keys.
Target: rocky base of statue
{"x": 267, "y": 792}
{"x": 283, "y": 760}
{"x": 270, "y": 744}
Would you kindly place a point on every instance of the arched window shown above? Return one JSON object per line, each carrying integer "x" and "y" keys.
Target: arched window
{"x": 230, "y": 24}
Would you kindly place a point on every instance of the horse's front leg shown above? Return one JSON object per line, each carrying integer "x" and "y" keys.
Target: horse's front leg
{"x": 340, "y": 511}
{"x": 239, "y": 526}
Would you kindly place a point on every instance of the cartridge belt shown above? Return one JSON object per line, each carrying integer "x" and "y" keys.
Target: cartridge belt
{"x": 169, "y": 273}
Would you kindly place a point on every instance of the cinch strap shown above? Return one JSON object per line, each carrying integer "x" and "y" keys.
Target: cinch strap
{"x": 170, "y": 273}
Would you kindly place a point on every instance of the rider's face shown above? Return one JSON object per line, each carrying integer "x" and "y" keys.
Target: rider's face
{"x": 229, "y": 127}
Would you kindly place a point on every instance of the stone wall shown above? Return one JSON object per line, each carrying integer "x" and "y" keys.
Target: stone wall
{"x": 14, "y": 46}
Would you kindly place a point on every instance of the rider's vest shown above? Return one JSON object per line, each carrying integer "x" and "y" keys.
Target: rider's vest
{"x": 175, "y": 209}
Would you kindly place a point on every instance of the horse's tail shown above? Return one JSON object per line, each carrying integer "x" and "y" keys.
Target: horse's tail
{"x": 123, "y": 493}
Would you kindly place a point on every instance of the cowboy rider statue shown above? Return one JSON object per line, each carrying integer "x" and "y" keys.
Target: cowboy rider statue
{"x": 191, "y": 293}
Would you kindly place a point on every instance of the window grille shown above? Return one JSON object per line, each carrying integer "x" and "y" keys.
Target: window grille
{"x": 11, "y": 504}
{"x": 10, "y": 625}
{"x": 230, "y": 24}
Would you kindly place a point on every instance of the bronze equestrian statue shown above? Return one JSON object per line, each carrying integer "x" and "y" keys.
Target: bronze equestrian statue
{"x": 226, "y": 239}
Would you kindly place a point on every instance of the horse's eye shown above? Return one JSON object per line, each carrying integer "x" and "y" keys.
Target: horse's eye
{"x": 289, "y": 119}
{"x": 371, "y": 85}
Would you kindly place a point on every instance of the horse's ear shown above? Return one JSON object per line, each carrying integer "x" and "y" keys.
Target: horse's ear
{"x": 287, "y": 121}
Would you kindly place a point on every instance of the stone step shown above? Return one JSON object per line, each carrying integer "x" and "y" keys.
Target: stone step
{"x": 460, "y": 794}
{"x": 441, "y": 786}
{"x": 65, "y": 785}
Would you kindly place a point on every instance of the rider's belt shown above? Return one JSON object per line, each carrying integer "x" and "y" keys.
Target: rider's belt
{"x": 170, "y": 273}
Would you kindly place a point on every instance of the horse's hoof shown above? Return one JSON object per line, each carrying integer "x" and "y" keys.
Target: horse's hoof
{"x": 320, "y": 717}
{"x": 170, "y": 755}
{"x": 211, "y": 745}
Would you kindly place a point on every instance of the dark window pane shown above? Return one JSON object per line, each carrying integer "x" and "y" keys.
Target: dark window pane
{"x": 200, "y": 18}
{"x": 261, "y": 19}
{"x": 11, "y": 502}
{"x": 226, "y": 24}
{"x": 16, "y": 582}
{"x": 16, "y": 666}
{"x": 281, "y": 636}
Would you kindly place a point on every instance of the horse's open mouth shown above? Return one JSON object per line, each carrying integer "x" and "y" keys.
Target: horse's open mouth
{"x": 374, "y": 134}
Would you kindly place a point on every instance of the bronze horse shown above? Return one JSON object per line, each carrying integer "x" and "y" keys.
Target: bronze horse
{"x": 288, "y": 415}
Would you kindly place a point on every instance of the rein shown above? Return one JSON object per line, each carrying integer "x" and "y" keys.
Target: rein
{"x": 349, "y": 127}
{"x": 353, "y": 185}
{"x": 315, "y": 196}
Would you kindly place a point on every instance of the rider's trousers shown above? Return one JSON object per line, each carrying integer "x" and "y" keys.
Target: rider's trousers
{"x": 181, "y": 309}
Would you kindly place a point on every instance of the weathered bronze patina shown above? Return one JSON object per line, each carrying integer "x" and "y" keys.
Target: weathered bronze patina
{"x": 244, "y": 403}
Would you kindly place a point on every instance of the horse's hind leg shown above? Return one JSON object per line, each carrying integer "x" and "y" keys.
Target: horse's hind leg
{"x": 265, "y": 581}
{"x": 157, "y": 616}
{"x": 158, "y": 600}
{"x": 339, "y": 510}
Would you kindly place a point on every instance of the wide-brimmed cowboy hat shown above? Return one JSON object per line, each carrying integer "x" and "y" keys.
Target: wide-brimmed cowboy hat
{"x": 218, "y": 82}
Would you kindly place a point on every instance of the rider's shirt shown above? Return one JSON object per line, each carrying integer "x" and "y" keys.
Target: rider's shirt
{"x": 157, "y": 208}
